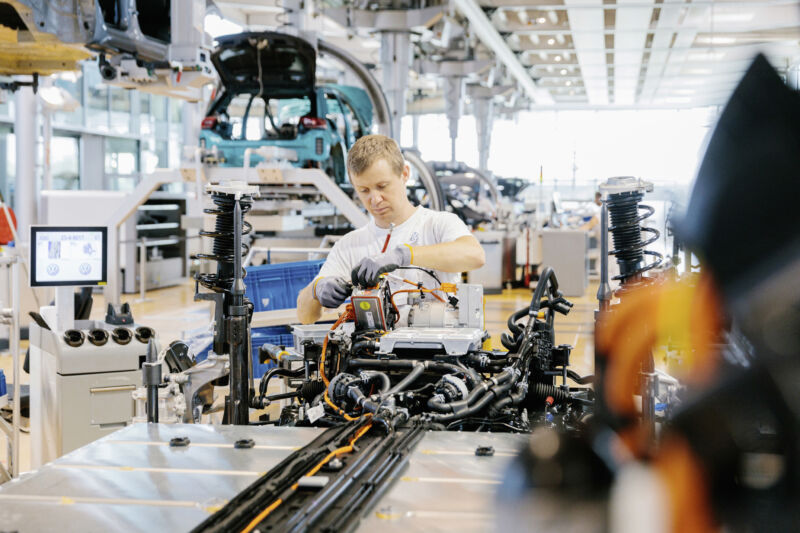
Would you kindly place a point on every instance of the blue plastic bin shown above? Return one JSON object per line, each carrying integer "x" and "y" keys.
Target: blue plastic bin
{"x": 277, "y": 286}
{"x": 277, "y": 335}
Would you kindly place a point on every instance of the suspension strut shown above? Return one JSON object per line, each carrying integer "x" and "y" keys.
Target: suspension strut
{"x": 623, "y": 199}
{"x": 232, "y": 311}
{"x": 622, "y": 205}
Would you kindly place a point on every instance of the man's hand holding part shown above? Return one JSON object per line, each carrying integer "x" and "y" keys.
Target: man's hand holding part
{"x": 369, "y": 269}
{"x": 331, "y": 292}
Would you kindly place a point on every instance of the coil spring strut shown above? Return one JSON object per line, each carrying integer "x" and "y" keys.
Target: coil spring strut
{"x": 625, "y": 227}
{"x": 223, "y": 252}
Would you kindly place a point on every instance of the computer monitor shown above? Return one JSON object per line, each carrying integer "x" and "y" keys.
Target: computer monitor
{"x": 69, "y": 256}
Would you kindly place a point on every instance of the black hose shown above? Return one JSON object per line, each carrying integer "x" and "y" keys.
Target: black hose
{"x": 577, "y": 378}
{"x": 283, "y": 372}
{"x": 546, "y": 279}
{"x": 364, "y": 345}
{"x": 416, "y": 371}
{"x": 473, "y": 396}
{"x": 513, "y": 398}
{"x": 479, "y": 405}
{"x": 513, "y": 327}
{"x": 472, "y": 377}
{"x": 509, "y": 343}
{"x": 368, "y": 375}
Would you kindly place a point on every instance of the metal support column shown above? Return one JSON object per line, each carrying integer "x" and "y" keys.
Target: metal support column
{"x": 484, "y": 119}
{"x": 454, "y": 107}
{"x": 25, "y": 133}
{"x": 395, "y": 56}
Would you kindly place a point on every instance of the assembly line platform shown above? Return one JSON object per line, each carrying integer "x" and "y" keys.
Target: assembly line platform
{"x": 134, "y": 481}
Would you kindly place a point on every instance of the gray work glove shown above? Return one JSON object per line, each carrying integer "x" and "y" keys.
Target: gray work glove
{"x": 367, "y": 271}
{"x": 331, "y": 292}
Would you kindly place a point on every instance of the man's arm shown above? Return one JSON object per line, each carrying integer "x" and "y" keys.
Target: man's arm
{"x": 309, "y": 309}
{"x": 461, "y": 255}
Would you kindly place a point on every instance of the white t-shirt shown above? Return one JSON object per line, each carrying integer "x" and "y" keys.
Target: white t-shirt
{"x": 423, "y": 228}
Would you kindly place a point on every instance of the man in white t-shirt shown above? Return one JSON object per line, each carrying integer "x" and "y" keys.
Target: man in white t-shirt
{"x": 400, "y": 235}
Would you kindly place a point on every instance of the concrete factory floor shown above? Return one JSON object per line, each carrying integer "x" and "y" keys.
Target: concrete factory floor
{"x": 174, "y": 314}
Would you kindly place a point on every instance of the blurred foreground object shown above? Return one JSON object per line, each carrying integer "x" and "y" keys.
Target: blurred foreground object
{"x": 728, "y": 457}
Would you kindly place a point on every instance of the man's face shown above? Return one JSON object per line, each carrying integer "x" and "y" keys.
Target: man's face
{"x": 382, "y": 191}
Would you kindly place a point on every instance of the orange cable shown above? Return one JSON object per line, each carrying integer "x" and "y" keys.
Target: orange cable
{"x": 335, "y": 453}
{"x": 417, "y": 290}
{"x": 347, "y": 315}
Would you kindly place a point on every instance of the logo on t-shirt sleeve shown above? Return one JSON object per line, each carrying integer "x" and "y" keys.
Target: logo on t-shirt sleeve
{"x": 414, "y": 237}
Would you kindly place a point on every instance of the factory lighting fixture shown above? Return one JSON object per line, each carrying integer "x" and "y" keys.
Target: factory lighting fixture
{"x": 552, "y": 16}
{"x": 568, "y": 84}
{"x": 501, "y": 16}
{"x": 706, "y": 56}
{"x": 716, "y": 39}
{"x": 543, "y": 56}
{"x": 561, "y": 39}
{"x": 541, "y": 20}
{"x": 534, "y": 39}
{"x": 522, "y": 14}
{"x": 699, "y": 71}
{"x": 563, "y": 72}
{"x": 733, "y": 17}
{"x": 551, "y": 41}
{"x": 558, "y": 59}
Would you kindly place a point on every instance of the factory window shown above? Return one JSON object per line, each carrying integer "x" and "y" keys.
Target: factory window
{"x": 97, "y": 98}
{"x": 146, "y": 119}
{"x": 158, "y": 106}
{"x": 175, "y": 109}
{"x": 72, "y": 83}
{"x": 64, "y": 162}
{"x": 121, "y": 163}
{"x": 120, "y": 110}
{"x": 5, "y": 104}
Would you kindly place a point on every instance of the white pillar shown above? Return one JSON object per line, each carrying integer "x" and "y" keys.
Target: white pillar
{"x": 395, "y": 57}
{"x": 25, "y": 180}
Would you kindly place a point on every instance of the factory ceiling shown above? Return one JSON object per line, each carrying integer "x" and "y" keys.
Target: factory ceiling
{"x": 568, "y": 54}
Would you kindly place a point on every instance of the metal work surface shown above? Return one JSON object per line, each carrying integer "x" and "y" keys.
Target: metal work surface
{"x": 133, "y": 480}
{"x": 446, "y": 486}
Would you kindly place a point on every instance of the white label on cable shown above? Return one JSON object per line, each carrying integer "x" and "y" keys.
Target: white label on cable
{"x": 370, "y": 321}
{"x": 315, "y": 413}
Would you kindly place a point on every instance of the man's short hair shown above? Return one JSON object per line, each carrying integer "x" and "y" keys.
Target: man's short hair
{"x": 369, "y": 149}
